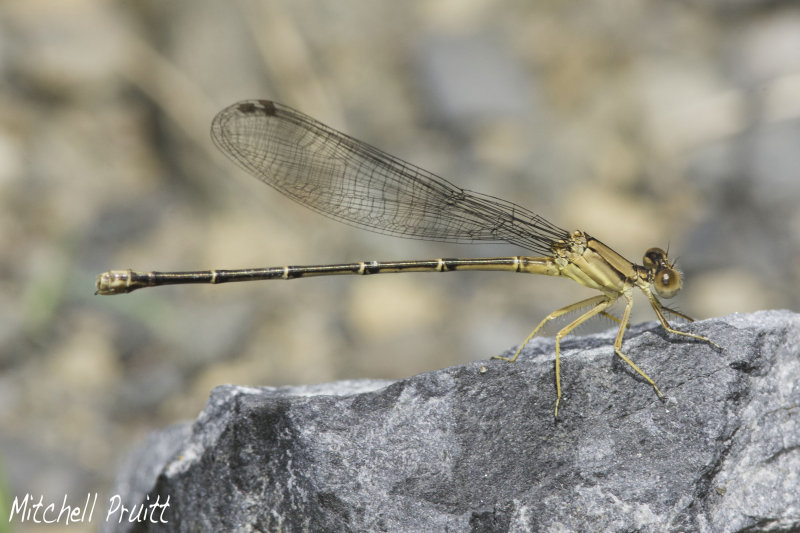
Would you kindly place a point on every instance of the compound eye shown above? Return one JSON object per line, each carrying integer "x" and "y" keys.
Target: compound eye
{"x": 667, "y": 282}
{"x": 654, "y": 257}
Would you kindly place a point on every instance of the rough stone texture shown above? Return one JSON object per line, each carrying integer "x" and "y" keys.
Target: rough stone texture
{"x": 476, "y": 448}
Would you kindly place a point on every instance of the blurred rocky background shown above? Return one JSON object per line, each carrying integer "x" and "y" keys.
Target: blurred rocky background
{"x": 645, "y": 123}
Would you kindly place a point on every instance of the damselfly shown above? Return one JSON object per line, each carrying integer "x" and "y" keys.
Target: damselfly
{"x": 355, "y": 183}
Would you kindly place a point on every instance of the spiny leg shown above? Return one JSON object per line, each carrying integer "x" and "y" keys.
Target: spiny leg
{"x": 604, "y": 302}
{"x": 594, "y": 300}
{"x": 599, "y": 304}
{"x": 618, "y": 343}
{"x": 674, "y": 312}
{"x": 618, "y": 321}
{"x": 658, "y": 307}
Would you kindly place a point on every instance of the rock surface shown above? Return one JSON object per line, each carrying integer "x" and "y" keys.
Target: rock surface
{"x": 476, "y": 447}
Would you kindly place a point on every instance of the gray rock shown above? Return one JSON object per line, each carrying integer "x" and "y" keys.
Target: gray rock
{"x": 476, "y": 447}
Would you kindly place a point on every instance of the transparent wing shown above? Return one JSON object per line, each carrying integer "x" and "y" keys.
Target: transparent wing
{"x": 357, "y": 184}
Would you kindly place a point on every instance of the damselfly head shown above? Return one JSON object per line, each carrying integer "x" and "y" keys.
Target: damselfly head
{"x": 666, "y": 279}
